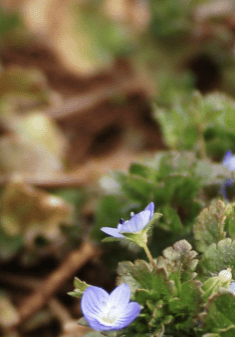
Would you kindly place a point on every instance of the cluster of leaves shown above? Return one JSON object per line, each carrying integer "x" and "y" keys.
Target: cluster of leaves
{"x": 179, "y": 185}
{"x": 200, "y": 123}
{"x": 181, "y": 295}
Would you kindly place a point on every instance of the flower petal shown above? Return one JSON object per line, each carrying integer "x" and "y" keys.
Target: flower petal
{"x": 120, "y": 296}
{"x": 150, "y": 208}
{"x": 96, "y": 325}
{"x": 128, "y": 315}
{"x": 93, "y": 302}
{"x": 231, "y": 163}
{"x": 137, "y": 222}
{"x": 112, "y": 231}
{"x": 227, "y": 157}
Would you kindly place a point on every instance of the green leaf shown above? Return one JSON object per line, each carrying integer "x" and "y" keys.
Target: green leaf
{"x": 110, "y": 239}
{"x": 141, "y": 170}
{"x": 137, "y": 275}
{"x": 162, "y": 287}
{"x": 136, "y": 187}
{"x": 219, "y": 313}
{"x": 93, "y": 334}
{"x": 171, "y": 220}
{"x": 210, "y": 225}
{"x": 83, "y": 322}
{"x": 179, "y": 261}
{"x": 139, "y": 238}
{"x": 190, "y": 301}
{"x": 80, "y": 287}
{"x": 218, "y": 257}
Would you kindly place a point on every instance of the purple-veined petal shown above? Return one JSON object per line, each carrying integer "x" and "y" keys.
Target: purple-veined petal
{"x": 112, "y": 232}
{"x": 127, "y": 316}
{"x": 120, "y": 296}
{"x": 137, "y": 222}
{"x": 94, "y": 301}
{"x": 150, "y": 208}
{"x": 96, "y": 325}
{"x": 109, "y": 312}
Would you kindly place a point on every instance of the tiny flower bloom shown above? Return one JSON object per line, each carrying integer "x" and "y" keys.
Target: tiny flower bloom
{"x": 135, "y": 224}
{"x": 109, "y": 312}
{"x": 225, "y": 275}
{"x": 229, "y": 161}
{"x": 232, "y": 288}
{"x": 226, "y": 183}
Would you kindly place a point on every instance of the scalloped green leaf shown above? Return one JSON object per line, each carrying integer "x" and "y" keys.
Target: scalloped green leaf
{"x": 218, "y": 257}
{"x": 163, "y": 288}
{"x": 219, "y": 313}
{"x": 189, "y": 305}
{"x": 179, "y": 261}
{"x": 137, "y": 275}
{"x": 210, "y": 226}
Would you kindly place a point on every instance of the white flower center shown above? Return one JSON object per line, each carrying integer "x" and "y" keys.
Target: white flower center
{"x": 109, "y": 315}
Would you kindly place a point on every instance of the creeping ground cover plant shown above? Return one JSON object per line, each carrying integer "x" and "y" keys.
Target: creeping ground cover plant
{"x": 182, "y": 293}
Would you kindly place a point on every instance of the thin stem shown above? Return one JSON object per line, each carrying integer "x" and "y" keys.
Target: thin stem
{"x": 202, "y": 145}
{"x": 149, "y": 255}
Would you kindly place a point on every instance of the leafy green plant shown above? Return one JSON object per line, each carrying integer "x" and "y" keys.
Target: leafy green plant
{"x": 179, "y": 294}
{"x": 203, "y": 124}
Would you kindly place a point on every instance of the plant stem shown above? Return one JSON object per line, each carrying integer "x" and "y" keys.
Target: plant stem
{"x": 202, "y": 145}
{"x": 149, "y": 255}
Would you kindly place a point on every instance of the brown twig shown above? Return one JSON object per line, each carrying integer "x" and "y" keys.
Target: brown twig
{"x": 82, "y": 103}
{"x": 43, "y": 293}
{"x": 57, "y": 180}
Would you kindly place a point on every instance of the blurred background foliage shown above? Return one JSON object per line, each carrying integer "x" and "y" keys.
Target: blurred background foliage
{"x": 144, "y": 89}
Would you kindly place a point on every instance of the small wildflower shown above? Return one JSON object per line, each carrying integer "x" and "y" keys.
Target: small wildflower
{"x": 105, "y": 311}
{"x": 135, "y": 224}
{"x": 232, "y": 288}
{"x": 229, "y": 161}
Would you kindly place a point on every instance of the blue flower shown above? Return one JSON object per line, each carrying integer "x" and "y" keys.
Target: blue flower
{"x": 135, "y": 224}
{"x": 232, "y": 288}
{"x": 109, "y": 312}
{"x": 229, "y": 161}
